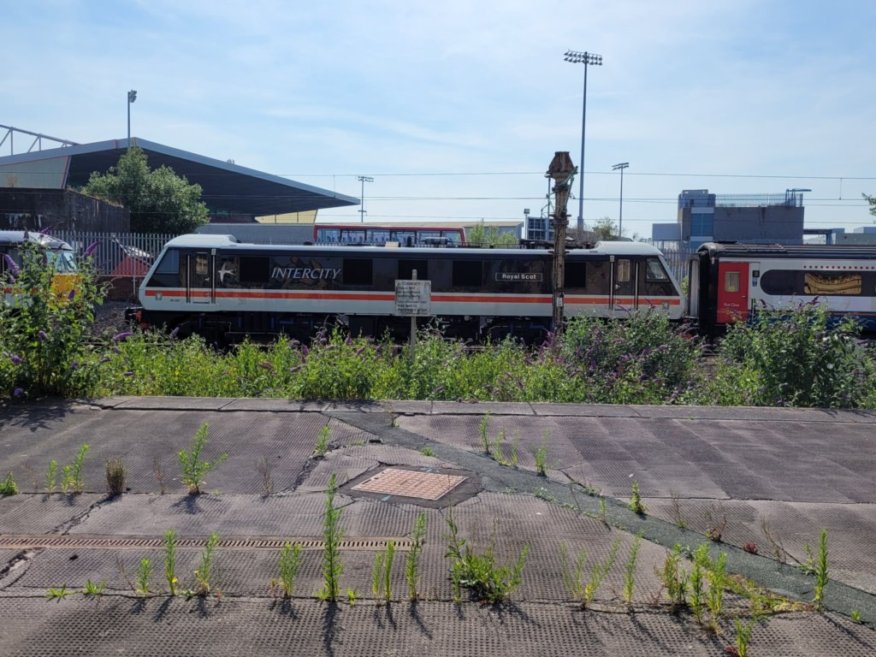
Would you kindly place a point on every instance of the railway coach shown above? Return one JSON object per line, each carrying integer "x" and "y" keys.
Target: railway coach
{"x": 223, "y": 289}
{"x": 730, "y": 282}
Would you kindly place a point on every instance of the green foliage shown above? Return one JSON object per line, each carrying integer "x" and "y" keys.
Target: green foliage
{"x": 44, "y": 345}
{"x": 484, "y": 430}
{"x": 8, "y": 486}
{"x": 412, "y": 560}
{"x": 194, "y": 468}
{"x": 635, "y": 504}
{"x": 743, "y": 636}
{"x": 630, "y": 570}
{"x": 51, "y": 476}
{"x": 144, "y": 574}
{"x": 322, "y": 441}
{"x": 71, "y": 478}
{"x": 170, "y": 545}
{"x": 427, "y": 451}
{"x": 485, "y": 235}
{"x": 93, "y": 589}
{"x": 872, "y": 201}
{"x": 159, "y": 200}
{"x": 855, "y": 616}
{"x": 717, "y": 578}
{"x": 541, "y": 457}
{"x": 381, "y": 574}
{"x": 821, "y": 570}
{"x": 605, "y": 229}
{"x": 332, "y": 566}
{"x": 288, "y": 564}
{"x": 204, "y": 572}
{"x": 581, "y": 588}
{"x": 696, "y": 580}
{"x": 58, "y": 594}
{"x": 485, "y": 580}
{"x": 674, "y": 578}
{"x": 793, "y": 357}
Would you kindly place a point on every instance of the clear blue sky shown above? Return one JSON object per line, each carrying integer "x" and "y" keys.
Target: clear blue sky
{"x": 456, "y": 107}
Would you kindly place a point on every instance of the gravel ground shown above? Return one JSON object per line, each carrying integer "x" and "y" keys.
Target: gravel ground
{"x": 110, "y": 318}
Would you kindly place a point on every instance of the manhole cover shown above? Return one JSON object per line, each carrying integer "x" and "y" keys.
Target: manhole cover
{"x": 408, "y": 483}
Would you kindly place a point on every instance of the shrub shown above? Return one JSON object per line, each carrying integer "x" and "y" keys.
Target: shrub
{"x": 193, "y": 466}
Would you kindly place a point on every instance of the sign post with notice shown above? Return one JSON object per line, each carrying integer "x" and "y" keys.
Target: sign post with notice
{"x": 413, "y": 299}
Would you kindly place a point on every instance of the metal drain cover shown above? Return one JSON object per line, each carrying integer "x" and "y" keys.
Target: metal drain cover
{"x": 410, "y": 483}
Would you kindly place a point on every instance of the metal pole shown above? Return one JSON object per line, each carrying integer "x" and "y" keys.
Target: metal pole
{"x": 132, "y": 96}
{"x": 560, "y": 171}
{"x": 580, "y": 223}
{"x": 620, "y": 166}
{"x": 413, "y": 338}
{"x": 363, "y": 180}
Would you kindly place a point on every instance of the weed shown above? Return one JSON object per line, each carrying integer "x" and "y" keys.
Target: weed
{"x": 144, "y": 574}
{"x": 412, "y": 560}
{"x": 158, "y": 473}
{"x": 287, "y": 567}
{"x": 821, "y": 572}
{"x": 696, "y": 581}
{"x": 779, "y": 551}
{"x": 636, "y": 505}
{"x": 743, "y": 636}
{"x": 484, "y": 433}
{"x": 381, "y": 574}
{"x": 204, "y": 572}
{"x": 93, "y": 589}
{"x": 427, "y": 451}
{"x": 115, "y": 477}
{"x": 58, "y": 594}
{"x": 332, "y": 567}
{"x": 603, "y": 511}
{"x": 193, "y": 466}
{"x": 630, "y": 570}
{"x": 677, "y": 517}
{"x": 71, "y": 479}
{"x": 674, "y": 578}
{"x": 855, "y": 616}
{"x": 322, "y": 442}
{"x": 573, "y": 576}
{"x": 352, "y": 596}
{"x": 717, "y": 577}
{"x": 541, "y": 461}
{"x": 485, "y": 580}
{"x": 8, "y": 486}
{"x": 265, "y": 467}
{"x": 52, "y": 476}
{"x": 170, "y": 543}
{"x": 717, "y": 523}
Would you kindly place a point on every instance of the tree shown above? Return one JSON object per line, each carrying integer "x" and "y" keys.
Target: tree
{"x": 872, "y": 201}
{"x": 605, "y": 229}
{"x": 160, "y": 201}
{"x": 483, "y": 235}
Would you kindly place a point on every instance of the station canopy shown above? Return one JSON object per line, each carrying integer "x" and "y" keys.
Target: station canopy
{"x": 227, "y": 187}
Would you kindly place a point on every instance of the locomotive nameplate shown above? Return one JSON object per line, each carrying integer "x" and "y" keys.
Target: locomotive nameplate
{"x": 413, "y": 298}
{"x": 518, "y": 277}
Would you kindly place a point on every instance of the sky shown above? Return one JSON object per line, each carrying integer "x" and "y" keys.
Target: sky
{"x": 456, "y": 108}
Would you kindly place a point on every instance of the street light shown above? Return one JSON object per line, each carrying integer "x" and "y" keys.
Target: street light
{"x": 620, "y": 166}
{"x": 132, "y": 96}
{"x": 363, "y": 180}
{"x": 586, "y": 58}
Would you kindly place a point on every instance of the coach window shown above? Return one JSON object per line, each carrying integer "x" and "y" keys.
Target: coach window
{"x": 167, "y": 274}
{"x": 358, "y": 272}
{"x": 830, "y": 283}
{"x": 406, "y": 268}
{"x": 783, "y": 282}
{"x": 731, "y": 281}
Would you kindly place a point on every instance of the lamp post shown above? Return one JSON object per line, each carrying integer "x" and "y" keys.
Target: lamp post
{"x": 132, "y": 96}
{"x": 620, "y": 166}
{"x": 363, "y": 180}
{"x": 560, "y": 171}
{"x": 586, "y": 58}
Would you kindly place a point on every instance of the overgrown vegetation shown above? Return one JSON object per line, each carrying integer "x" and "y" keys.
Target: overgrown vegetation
{"x": 194, "y": 468}
{"x": 332, "y": 534}
{"x": 790, "y": 358}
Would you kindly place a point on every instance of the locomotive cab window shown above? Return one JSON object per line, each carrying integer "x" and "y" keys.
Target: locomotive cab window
{"x": 167, "y": 274}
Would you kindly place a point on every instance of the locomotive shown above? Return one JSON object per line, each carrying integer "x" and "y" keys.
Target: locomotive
{"x": 223, "y": 289}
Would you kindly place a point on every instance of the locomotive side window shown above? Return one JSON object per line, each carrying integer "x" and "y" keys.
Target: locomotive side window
{"x": 255, "y": 271}
{"x": 656, "y": 281}
{"x": 358, "y": 271}
{"x": 406, "y": 268}
{"x": 576, "y": 275}
{"x": 781, "y": 282}
{"x": 167, "y": 274}
{"x": 731, "y": 281}
{"x": 467, "y": 273}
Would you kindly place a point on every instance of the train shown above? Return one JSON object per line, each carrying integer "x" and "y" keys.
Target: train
{"x": 223, "y": 289}
{"x": 59, "y": 254}
{"x": 730, "y": 282}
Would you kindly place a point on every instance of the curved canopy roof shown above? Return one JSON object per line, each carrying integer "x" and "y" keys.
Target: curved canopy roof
{"x": 226, "y": 187}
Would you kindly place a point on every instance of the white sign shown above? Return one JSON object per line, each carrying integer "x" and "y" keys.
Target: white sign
{"x": 413, "y": 298}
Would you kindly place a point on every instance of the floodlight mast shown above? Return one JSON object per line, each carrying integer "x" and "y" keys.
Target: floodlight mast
{"x": 363, "y": 180}
{"x": 588, "y": 59}
{"x": 132, "y": 96}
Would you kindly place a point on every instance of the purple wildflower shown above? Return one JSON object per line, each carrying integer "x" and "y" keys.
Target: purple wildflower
{"x": 71, "y": 295}
{"x": 121, "y": 337}
{"x": 42, "y": 336}
{"x": 90, "y": 249}
{"x": 174, "y": 332}
{"x": 11, "y": 265}
{"x": 16, "y": 360}
{"x": 18, "y": 392}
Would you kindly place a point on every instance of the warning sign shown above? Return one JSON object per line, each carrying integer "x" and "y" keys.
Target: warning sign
{"x": 413, "y": 298}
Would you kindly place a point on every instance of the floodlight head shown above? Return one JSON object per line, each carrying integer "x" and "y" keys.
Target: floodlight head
{"x": 577, "y": 57}
{"x": 132, "y": 95}
{"x": 620, "y": 165}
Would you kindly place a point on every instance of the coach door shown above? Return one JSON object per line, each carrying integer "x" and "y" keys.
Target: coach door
{"x": 624, "y": 293}
{"x": 732, "y": 292}
{"x": 200, "y": 282}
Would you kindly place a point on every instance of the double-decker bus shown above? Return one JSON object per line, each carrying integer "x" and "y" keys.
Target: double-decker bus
{"x": 375, "y": 235}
